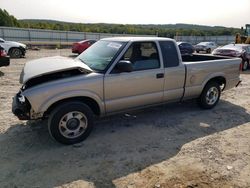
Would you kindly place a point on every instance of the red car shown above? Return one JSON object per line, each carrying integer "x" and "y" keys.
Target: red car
{"x": 80, "y": 46}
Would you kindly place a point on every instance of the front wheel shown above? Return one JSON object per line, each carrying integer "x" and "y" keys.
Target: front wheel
{"x": 16, "y": 53}
{"x": 209, "y": 51}
{"x": 210, "y": 95}
{"x": 71, "y": 122}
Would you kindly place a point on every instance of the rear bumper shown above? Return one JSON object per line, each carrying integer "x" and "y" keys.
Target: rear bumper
{"x": 231, "y": 83}
{"x": 4, "y": 61}
{"x": 21, "y": 110}
{"x": 75, "y": 48}
{"x": 75, "y": 51}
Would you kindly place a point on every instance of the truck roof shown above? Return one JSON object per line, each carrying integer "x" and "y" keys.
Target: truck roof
{"x": 135, "y": 39}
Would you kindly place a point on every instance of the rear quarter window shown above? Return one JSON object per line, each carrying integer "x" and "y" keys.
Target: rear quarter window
{"x": 169, "y": 54}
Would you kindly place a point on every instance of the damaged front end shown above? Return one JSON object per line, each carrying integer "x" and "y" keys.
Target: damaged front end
{"x": 42, "y": 71}
{"x": 21, "y": 106}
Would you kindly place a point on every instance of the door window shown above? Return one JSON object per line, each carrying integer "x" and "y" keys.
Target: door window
{"x": 143, "y": 56}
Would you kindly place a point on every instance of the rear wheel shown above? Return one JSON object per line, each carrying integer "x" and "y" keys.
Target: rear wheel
{"x": 244, "y": 65}
{"x": 209, "y": 51}
{"x": 210, "y": 95}
{"x": 70, "y": 122}
{"x": 197, "y": 51}
{"x": 15, "y": 53}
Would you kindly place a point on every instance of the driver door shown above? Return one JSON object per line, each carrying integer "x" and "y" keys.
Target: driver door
{"x": 143, "y": 86}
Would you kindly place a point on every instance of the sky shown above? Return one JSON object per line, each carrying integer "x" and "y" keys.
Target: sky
{"x": 229, "y": 13}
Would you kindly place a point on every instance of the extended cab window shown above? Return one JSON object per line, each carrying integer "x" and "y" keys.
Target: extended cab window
{"x": 169, "y": 54}
{"x": 143, "y": 56}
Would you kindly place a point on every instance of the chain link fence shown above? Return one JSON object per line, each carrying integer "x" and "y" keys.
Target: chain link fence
{"x": 42, "y": 37}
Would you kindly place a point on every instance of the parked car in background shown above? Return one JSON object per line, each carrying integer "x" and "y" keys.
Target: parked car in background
{"x": 185, "y": 48}
{"x": 207, "y": 47}
{"x": 79, "y": 47}
{"x": 13, "y": 49}
{"x": 4, "y": 59}
{"x": 236, "y": 50}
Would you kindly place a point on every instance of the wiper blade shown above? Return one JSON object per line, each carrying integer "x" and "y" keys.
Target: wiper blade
{"x": 83, "y": 62}
{"x": 86, "y": 64}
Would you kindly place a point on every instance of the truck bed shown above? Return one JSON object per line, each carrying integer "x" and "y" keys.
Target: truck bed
{"x": 201, "y": 68}
{"x": 201, "y": 57}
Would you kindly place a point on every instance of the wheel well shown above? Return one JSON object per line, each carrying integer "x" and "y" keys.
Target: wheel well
{"x": 12, "y": 49}
{"x": 86, "y": 100}
{"x": 220, "y": 80}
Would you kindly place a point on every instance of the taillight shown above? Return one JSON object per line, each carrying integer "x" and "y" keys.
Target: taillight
{"x": 2, "y": 53}
{"x": 240, "y": 67}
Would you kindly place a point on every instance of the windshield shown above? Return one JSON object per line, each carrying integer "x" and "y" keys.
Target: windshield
{"x": 100, "y": 54}
{"x": 233, "y": 47}
{"x": 203, "y": 43}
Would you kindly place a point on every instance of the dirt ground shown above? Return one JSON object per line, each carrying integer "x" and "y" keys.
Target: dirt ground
{"x": 175, "y": 145}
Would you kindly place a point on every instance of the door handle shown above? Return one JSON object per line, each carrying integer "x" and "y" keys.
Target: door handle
{"x": 160, "y": 75}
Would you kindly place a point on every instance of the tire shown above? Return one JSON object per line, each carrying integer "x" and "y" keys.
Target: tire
{"x": 210, "y": 95}
{"x": 70, "y": 122}
{"x": 197, "y": 51}
{"x": 244, "y": 65}
{"x": 16, "y": 53}
{"x": 209, "y": 51}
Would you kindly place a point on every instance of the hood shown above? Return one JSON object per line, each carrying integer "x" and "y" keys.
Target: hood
{"x": 16, "y": 43}
{"x": 49, "y": 65}
{"x": 200, "y": 45}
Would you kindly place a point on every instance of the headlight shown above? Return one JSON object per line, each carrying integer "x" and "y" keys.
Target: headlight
{"x": 23, "y": 46}
{"x": 21, "y": 98}
{"x": 23, "y": 87}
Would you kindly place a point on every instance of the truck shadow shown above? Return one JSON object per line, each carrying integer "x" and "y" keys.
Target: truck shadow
{"x": 246, "y": 72}
{"x": 1, "y": 73}
{"x": 119, "y": 145}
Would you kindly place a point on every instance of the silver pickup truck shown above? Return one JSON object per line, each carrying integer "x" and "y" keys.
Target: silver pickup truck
{"x": 116, "y": 75}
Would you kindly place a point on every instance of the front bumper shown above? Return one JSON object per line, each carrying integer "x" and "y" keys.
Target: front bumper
{"x": 21, "y": 110}
{"x": 201, "y": 49}
{"x": 23, "y": 50}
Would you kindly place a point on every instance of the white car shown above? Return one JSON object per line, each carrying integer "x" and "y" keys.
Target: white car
{"x": 13, "y": 49}
{"x": 208, "y": 47}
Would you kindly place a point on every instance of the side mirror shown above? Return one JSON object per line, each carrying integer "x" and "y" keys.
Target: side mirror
{"x": 124, "y": 66}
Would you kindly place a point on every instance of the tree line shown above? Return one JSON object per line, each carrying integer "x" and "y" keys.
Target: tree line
{"x": 164, "y": 30}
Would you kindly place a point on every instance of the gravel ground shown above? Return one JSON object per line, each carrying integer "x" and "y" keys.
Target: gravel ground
{"x": 175, "y": 145}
